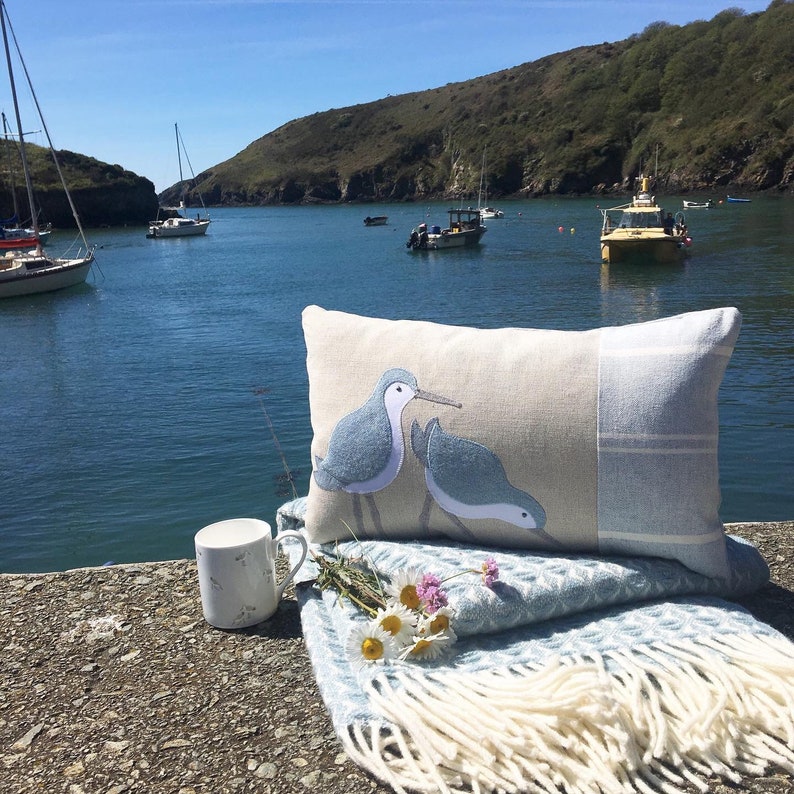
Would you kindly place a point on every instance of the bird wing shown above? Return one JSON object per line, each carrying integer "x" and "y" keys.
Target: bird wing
{"x": 359, "y": 446}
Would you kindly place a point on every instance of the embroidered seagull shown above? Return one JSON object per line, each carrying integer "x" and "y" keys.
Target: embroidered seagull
{"x": 366, "y": 448}
{"x": 467, "y": 480}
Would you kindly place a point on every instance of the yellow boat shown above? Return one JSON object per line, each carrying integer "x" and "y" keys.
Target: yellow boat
{"x": 643, "y": 232}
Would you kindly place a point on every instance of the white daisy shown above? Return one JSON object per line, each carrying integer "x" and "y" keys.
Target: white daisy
{"x": 403, "y": 587}
{"x": 426, "y": 647}
{"x": 369, "y": 643}
{"x": 440, "y": 622}
{"x": 397, "y": 621}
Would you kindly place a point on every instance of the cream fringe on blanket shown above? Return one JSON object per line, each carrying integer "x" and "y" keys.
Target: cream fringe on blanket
{"x": 647, "y": 720}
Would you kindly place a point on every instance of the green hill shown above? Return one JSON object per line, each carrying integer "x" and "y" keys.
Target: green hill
{"x": 710, "y": 104}
{"x": 105, "y": 195}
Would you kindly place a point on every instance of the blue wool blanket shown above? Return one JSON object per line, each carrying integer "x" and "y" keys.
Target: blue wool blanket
{"x": 573, "y": 673}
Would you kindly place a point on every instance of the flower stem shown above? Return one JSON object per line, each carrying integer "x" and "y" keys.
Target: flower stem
{"x": 352, "y": 580}
{"x": 460, "y": 573}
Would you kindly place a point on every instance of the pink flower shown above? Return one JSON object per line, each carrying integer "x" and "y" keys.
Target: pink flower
{"x": 428, "y": 582}
{"x": 429, "y": 590}
{"x": 434, "y": 598}
{"x": 490, "y": 572}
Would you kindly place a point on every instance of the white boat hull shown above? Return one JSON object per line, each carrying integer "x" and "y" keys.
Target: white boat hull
{"x": 190, "y": 229}
{"x": 454, "y": 239}
{"x": 464, "y": 230}
{"x": 26, "y": 276}
{"x": 24, "y": 272}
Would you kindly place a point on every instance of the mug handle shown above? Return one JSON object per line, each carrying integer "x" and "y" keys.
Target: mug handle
{"x": 290, "y": 533}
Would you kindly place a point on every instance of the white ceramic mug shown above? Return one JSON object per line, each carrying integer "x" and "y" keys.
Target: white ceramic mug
{"x": 236, "y": 562}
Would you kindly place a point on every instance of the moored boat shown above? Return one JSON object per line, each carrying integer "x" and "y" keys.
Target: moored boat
{"x": 482, "y": 196}
{"x": 698, "y": 205}
{"x": 377, "y": 220}
{"x": 31, "y": 272}
{"x": 21, "y": 240}
{"x": 178, "y": 226}
{"x": 177, "y": 223}
{"x": 27, "y": 272}
{"x": 487, "y": 213}
{"x": 643, "y": 233}
{"x": 13, "y": 235}
{"x": 736, "y": 200}
{"x": 465, "y": 229}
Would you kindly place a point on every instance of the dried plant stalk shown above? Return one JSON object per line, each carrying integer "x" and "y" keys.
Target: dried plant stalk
{"x": 353, "y": 579}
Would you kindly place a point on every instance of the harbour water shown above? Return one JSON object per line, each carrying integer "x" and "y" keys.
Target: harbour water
{"x": 136, "y": 409}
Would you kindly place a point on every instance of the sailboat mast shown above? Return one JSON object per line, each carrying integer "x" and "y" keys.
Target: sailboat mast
{"x": 482, "y": 179}
{"x": 10, "y": 169}
{"x": 179, "y": 160}
{"x": 178, "y": 152}
{"x": 28, "y": 184}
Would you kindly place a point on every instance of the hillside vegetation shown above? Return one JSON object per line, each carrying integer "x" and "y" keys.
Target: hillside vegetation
{"x": 103, "y": 194}
{"x": 711, "y": 104}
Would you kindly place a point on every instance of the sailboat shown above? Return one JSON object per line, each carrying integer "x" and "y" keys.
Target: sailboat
{"x": 178, "y": 224}
{"x": 25, "y": 272}
{"x": 486, "y": 212}
{"x": 12, "y": 235}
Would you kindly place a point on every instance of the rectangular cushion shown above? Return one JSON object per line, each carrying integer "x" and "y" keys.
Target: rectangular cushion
{"x": 602, "y": 440}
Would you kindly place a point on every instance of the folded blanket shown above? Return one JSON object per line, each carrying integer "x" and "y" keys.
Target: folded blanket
{"x": 572, "y": 673}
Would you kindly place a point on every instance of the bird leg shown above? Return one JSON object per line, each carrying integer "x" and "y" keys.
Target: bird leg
{"x": 358, "y": 513}
{"x": 373, "y": 509}
{"x": 424, "y": 516}
{"x": 552, "y": 541}
{"x": 467, "y": 533}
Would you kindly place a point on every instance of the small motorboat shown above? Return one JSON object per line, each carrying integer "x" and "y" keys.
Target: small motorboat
{"x": 698, "y": 205}
{"x": 377, "y": 220}
{"x": 735, "y": 200}
{"x": 465, "y": 229}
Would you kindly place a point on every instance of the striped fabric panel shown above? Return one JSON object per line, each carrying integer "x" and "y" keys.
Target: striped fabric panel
{"x": 658, "y": 478}
{"x": 660, "y": 537}
{"x": 670, "y": 350}
{"x": 657, "y": 444}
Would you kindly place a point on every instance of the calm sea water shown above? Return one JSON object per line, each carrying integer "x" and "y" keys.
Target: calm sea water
{"x": 129, "y": 408}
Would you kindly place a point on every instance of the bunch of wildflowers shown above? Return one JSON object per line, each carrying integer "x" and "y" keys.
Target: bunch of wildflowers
{"x": 409, "y": 618}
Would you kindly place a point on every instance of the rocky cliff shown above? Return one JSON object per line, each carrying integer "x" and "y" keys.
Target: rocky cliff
{"x": 104, "y": 194}
{"x": 708, "y": 105}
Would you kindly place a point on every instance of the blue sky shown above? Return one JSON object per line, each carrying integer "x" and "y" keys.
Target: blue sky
{"x": 113, "y": 76}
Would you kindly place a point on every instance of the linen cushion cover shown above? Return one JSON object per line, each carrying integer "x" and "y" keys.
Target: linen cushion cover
{"x": 598, "y": 441}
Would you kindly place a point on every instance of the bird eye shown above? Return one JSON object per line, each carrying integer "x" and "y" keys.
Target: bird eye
{"x": 399, "y": 388}
{"x": 523, "y": 515}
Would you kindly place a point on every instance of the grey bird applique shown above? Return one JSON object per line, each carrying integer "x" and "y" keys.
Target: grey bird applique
{"x": 467, "y": 480}
{"x": 366, "y": 448}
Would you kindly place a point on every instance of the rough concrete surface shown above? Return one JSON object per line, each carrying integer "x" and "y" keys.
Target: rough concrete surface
{"x": 111, "y": 681}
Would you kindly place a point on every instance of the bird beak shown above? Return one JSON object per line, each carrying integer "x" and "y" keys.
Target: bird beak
{"x": 436, "y": 398}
